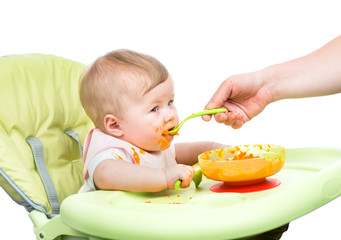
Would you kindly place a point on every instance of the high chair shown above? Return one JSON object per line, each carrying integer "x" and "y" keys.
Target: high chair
{"x": 42, "y": 128}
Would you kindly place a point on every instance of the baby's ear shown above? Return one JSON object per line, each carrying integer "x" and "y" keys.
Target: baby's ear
{"x": 112, "y": 125}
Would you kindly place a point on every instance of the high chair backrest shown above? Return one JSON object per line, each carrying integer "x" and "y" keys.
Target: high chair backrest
{"x": 42, "y": 126}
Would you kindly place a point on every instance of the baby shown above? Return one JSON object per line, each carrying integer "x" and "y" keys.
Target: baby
{"x": 130, "y": 98}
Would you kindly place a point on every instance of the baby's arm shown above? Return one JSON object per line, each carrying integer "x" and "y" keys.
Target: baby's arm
{"x": 114, "y": 174}
{"x": 187, "y": 153}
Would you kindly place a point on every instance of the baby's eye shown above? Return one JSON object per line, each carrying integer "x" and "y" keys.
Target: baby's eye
{"x": 155, "y": 109}
{"x": 170, "y": 103}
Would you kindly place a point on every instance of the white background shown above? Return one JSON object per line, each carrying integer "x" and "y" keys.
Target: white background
{"x": 201, "y": 43}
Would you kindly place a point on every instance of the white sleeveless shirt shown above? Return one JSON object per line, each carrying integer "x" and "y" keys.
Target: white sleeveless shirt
{"x": 99, "y": 146}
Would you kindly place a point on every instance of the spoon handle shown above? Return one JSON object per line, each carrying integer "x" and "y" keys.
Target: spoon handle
{"x": 205, "y": 112}
{"x": 208, "y": 112}
{"x": 196, "y": 179}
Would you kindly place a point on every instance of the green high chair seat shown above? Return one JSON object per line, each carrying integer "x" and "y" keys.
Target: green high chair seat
{"x": 42, "y": 128}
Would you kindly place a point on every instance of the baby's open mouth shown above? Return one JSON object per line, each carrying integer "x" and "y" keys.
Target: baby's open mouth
{"x": 166, "y": 134}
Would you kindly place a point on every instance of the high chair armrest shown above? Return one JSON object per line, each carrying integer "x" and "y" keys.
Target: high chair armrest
{"x": 53, "y": 229}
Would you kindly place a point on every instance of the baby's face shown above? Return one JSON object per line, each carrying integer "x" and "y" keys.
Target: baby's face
{"x": 148, "y": 118}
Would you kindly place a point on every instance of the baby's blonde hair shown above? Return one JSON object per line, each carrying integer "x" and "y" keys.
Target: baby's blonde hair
{"x": 113, "y": 75}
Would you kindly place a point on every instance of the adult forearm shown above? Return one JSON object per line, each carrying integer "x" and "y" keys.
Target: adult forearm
{"x": 316, "y": 74}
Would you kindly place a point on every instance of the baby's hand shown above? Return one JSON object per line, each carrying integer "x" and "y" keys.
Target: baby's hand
{"x": 179, "y": 171}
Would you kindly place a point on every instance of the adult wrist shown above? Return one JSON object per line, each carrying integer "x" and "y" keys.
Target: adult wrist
{"x": 270, "y": 78}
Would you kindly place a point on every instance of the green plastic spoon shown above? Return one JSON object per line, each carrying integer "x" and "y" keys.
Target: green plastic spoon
{"x": 206, "y": 112}
{"x": 196, "y": 179}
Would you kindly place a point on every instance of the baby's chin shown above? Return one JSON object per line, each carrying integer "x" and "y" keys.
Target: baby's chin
{"x": 165, "y": 142}
{"x": 156, "y": 145}
{"x": 160, "y": 146}
{"x": 165, "y": 147}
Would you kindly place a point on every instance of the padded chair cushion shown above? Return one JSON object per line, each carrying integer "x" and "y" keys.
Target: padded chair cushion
{"x": 39, "y": 98}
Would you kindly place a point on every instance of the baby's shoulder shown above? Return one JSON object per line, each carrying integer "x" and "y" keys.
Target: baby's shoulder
{"x": 114, "y": 153}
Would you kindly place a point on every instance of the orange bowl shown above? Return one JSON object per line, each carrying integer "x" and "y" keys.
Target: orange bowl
{"x": 245, "y": 163}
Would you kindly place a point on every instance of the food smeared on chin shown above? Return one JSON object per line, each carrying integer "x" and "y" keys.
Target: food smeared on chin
{"x": 165, "y": 138}
{"x": 164, "y": 143}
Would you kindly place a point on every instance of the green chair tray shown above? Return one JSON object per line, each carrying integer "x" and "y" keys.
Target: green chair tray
{"x": 309, "y": 179}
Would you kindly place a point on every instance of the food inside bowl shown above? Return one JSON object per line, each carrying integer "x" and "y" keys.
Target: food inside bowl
{"x": 242, "y": 163}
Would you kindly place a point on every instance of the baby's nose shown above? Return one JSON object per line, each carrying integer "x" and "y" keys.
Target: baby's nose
{"x": 169, "y": 116}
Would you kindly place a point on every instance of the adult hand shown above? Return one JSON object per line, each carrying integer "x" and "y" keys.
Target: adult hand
{"x": 244, "y": 96}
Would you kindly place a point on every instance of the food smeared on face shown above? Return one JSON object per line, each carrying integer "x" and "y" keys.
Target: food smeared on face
{"x": 164, "y": 143}
{"x": 164, "y": 139}
{"x": 165, "y": 132}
